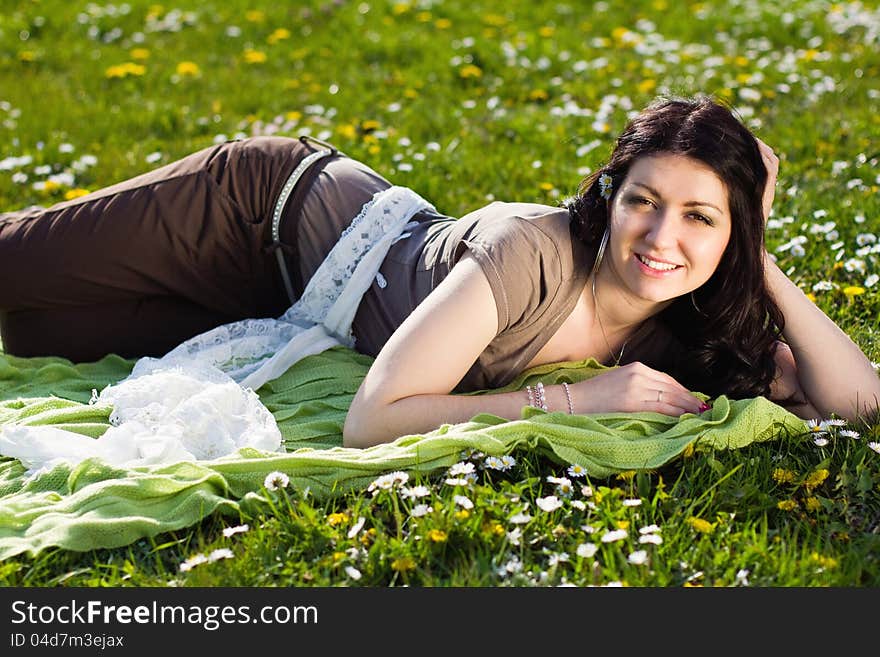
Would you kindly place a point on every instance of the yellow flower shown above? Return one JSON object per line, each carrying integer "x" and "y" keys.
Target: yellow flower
{"x": 811, "y": 297}
{"x": 462, "y": 514}
{"x": 538, "y": 94}
{"x": 812, "y": 504}
{"x": 853, "y": 291}
{"x": 400, "y": 8}
{"x": 278, "y": 35}
{"x": 815, "y": 479}
{"x": 647, "y": 86}
{"x": 50, "y": 186}
{"x": 700, "y": 525}
{"x": 423, "y": 16}
{"x": 374, "y": 150}
{"x": 403, "y": 564}
{"x": 369, "y": 125}
{"x": 347, "y": 130}
{"x": 255, "y": 16}
{"x": 787, "y": 505}
{"x": 546, "y": 31}
{"x": 495, "y": 20}
{"x": 337, "y": 519}
{"x": 442, "y": 23}
{"x": 254, "y": 56}
{"x": 626, "y": 475}
{"x": 338, "y": 556}
{"x": 689, "y": 450}
{"x": 124, "y": 70}
{"x": 622, "y": 524}
{"x": 437, "y": 535}
{"x": 190, "y": 69}
{"x": 824, "y": 562}
{"x": 140, "y": 54}
{"x": 71, "y": 194}
{"x": 27, "y": 56}
{"x": 410, "y": 93}
{"x": 546, "y": 186}
{"x": 783, "y": 476}
{"x": 470, "y": 71}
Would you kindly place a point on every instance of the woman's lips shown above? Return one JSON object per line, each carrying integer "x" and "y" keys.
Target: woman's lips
{"x": 650, "y": 271}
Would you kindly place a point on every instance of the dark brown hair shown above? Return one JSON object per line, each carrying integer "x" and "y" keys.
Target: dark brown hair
{"x": 728, "y": 337}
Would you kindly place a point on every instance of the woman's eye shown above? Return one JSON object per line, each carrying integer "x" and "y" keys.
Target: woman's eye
{"x": 703, "y": 218}
{"x": 641, "y": 200}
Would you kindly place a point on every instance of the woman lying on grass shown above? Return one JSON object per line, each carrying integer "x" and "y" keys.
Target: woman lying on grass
{"x": 656, "y": 266}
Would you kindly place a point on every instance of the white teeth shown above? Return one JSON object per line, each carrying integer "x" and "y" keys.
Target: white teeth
{"x": 653, "y": 264}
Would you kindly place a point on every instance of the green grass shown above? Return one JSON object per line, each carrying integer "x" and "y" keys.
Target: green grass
{"x": 467, "y": 102}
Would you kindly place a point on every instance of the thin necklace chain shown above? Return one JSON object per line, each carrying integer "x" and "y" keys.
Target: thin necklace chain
{"x": 599, "y": 317}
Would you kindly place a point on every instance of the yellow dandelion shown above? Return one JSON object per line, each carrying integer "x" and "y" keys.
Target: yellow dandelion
{"x": 824, "y": 562}
{"x": 442, "y": 23}
{"x": 838, "y": 265}
{"x": 809, "y": 55}
{"x": 853, "y": 291}
{"x": 51, "y": 186}
{"x": 347, "y": 131}
{"x": 783, "y": 476}
{"x": 27, "y": 56}
{"x": 811, "y": 297}
{"x": 546, "y": 186}
{"x": 787, "y": 505}
{"x": 538, "y": 95}
{"x": 618, "y": 33}
{"x": 410, "y": 93}
{"x": 622, "y": 524}
{"x": 424, "y": 17}
{"x": 812, "y": 504}
{"x": 254, "y": 56}
{"x": 437, "y": 535}
{"x": 374, "y": 149}
{"x": 546, "y": 31}
{"x": 255, "y": 16}
{"x": 368, "y": 536}
{"x": 462, "y": 514}
{"x": 743, "y": 78}
{"x": 278, "y": 35}
{"x": 188, "y": 69}
{"x": 71, "y": 194}
{"x": 369, "y": 125}
{"x": 816, "y": 479}
{"x": 647, "y": 86}
{"x": 403, "y": 564}
{"x": 124, "y": 70}
{"x": 689, "y": 450}
{"x": 400, "y": 8}
{"x": 140, "y": 54}
{"x": 660, "y": 5}
{"x": 470, "y": 71}
{"x": 336, "y": 519}
{"x": 154, "y": 11}
{"x": 338, "y": 556}
{"x": 739, "y": 60}
{"x": 700, "y": 525}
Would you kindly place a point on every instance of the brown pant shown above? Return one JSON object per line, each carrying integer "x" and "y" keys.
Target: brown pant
{"x": 138, "y": 267}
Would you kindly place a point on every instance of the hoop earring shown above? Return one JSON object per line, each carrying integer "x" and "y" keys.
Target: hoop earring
{"x": 601, "y": 252}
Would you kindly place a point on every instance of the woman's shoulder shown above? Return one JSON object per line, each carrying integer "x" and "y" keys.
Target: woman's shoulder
{"x": 528, "y": 220}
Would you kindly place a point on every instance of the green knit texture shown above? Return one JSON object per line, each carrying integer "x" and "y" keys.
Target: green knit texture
{"x": 92, "y": 505}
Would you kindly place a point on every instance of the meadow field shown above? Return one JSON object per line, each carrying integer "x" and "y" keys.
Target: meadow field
{"x": 469, "y": 102}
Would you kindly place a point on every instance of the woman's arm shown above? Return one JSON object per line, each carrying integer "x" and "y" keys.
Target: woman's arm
{"x": 832, "y": 372}
{"x": 406, "y": 390}
{"x": 823, "y": 365}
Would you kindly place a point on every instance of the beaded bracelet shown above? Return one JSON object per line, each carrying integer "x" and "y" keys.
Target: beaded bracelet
{"x": 568, "y": 398}
{"x": 542, "y": 400}
{"x": 531, "y": 395}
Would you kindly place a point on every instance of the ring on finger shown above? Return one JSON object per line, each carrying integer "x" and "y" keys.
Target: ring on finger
{"x": 659, "y": 396}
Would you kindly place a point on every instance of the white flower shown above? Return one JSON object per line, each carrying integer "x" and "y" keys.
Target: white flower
{"x": 520, "y": 518}
{"x": 420, "y": 510}
{"x": 616, "y": 535}
{"x": 221, "y": 553}
{"x": 232, "y": 531}
{"x": 515, "y": 536}
{"x": 638, "y": 558}
{"x": 654, "y": 539}
{"x": 580, "y": 505}
{"x": 461, "y": 468}
{"x": 848, "y": 433}
{"x": 606, "y": 185}
{"x": 575, "y": 470}
{"x": 820, "y": 441}
{"x": 817, "y": 427}
{"x": 388, "y": 482}
{"x": 588, "y": 529}
{"x": 275, "y": 480}
{"x": 586, "y": 550}
{"x": 587, "y": 491}
{"x": 549, "y": 503}
{"x": 463, "y": 502}
{"x": 632, "y": 502}
{"x": 193, "y": 561}
{"x": 649, "y": 529}
{"x": 502, "y": 463}
{"x": 874, "y": 446}
{"x": 556, "y": 559}
{"x": 742, "y": 577}
{"x": 415, "y": 492}
{"x": 356, "y": 527}
{"x": 459, "y": 481}
{"x": 353, "y": 572}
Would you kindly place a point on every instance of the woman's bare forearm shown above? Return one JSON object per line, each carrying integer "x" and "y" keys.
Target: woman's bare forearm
{"x": 368, "y": 425}
{"x": 832, "y": 370}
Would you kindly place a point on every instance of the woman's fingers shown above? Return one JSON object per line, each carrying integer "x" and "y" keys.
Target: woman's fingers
{"x": 634, "y": 388}
{"x": 771, "y": 163}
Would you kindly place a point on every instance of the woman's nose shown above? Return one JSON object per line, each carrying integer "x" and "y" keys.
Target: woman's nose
{"x": 664, "y": 229}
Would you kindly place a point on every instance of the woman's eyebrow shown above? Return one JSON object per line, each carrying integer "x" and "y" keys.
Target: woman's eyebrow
{"x": 689, "y": 204}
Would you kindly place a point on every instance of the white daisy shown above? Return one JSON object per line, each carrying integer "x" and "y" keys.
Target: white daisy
{"x": 615, "y": 535}
{"x": 586, "y": 550}
{"x": 549, "y": 503}
{"x": 638, "y": 558}
{"x": 275, "y": 480}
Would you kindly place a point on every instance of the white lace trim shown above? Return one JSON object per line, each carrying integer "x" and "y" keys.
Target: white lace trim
{"x": 186, "y": 405}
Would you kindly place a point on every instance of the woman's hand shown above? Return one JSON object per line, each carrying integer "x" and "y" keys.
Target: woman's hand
{"x": 771, "y": 163}
{"x": 633, "y": 388}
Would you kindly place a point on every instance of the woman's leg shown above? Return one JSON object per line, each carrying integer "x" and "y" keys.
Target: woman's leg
{"x": 150, "y": 261}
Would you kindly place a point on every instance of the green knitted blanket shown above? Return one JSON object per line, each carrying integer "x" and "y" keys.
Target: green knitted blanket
{"x": 92, "y": 505}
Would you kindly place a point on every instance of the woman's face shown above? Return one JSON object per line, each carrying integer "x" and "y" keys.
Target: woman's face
{"x": 670, "y": 223}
